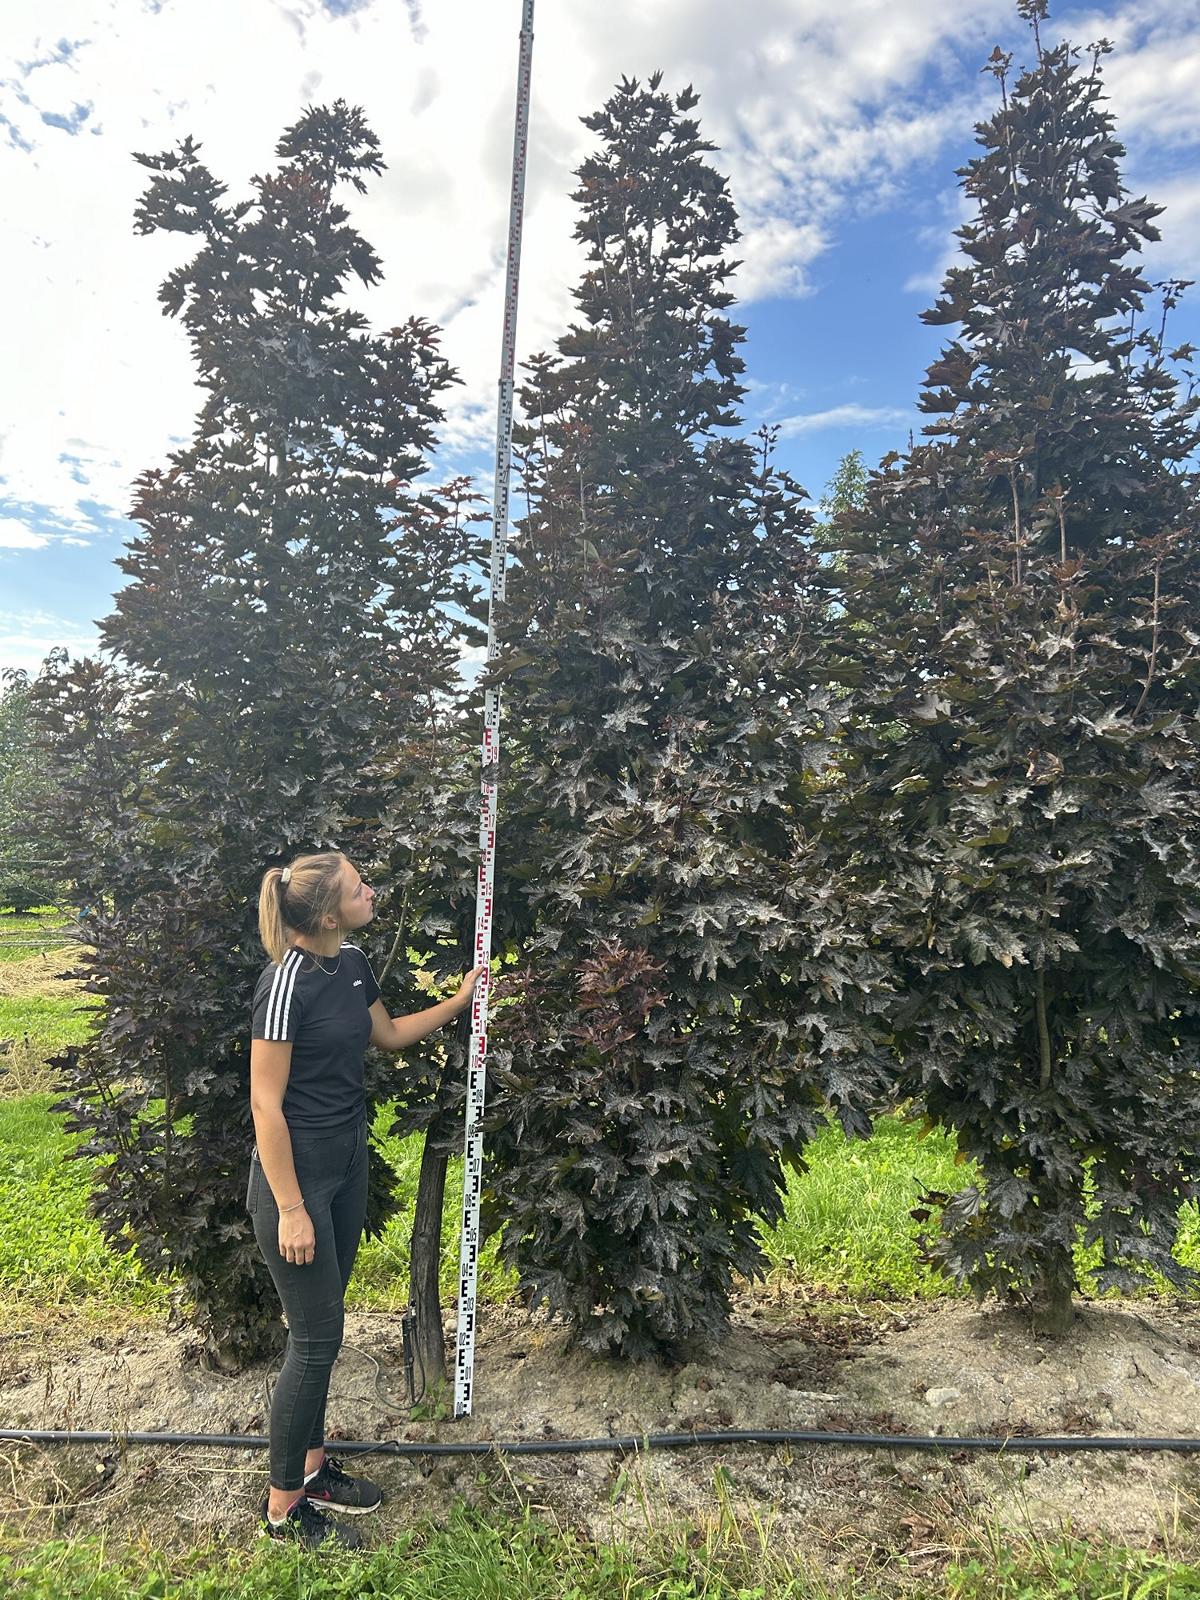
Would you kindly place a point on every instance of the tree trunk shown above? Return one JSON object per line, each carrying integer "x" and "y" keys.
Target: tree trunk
{"x": 425, "y": 1259}
{"x": 425, "y": 1251}
{"x": 1054, "y": 1308}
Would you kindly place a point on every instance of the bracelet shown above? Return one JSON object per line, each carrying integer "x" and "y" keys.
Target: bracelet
{"x": 284, "y": 1209}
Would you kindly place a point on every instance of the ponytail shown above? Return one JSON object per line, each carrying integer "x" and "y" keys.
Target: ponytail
{"x": 271, "y": 927}
{"x": 297, "y": 898}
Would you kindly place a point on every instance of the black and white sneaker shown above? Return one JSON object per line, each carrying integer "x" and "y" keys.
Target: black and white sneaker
{"x": 309, "y": 1527}
{"x": 336, "y": 1490}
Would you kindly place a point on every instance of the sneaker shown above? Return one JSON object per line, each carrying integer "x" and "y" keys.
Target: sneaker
{"x": 340, "y": 1492}
{"x": 309, "y": 1527}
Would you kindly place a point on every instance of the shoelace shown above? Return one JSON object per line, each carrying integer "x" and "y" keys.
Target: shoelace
{"x": 332, "y": 1467}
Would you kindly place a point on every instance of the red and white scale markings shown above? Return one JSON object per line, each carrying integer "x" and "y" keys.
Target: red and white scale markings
{"x": 464, "y": 1377}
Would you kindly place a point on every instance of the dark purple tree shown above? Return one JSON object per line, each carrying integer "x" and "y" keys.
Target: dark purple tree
{"x": 277, "y": 653}
{"x": 667, "y": 724}
{"x": 1018, "y": 753}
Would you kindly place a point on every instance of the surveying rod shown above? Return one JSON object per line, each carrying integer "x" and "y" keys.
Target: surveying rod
{"x": 468, "y": 1272}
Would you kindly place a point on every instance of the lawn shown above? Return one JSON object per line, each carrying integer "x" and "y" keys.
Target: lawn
{"x": 25, "y": 934}
{"x": 504, "y": 1557}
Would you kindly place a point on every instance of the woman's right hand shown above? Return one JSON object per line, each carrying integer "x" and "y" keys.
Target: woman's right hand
{"x": 297, "y": 1237}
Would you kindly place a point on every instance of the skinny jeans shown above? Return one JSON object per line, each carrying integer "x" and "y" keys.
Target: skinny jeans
{"x": 331, "y": 1170}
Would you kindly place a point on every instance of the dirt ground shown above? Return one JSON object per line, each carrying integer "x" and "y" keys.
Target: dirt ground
{"x": 787, "y": 1364}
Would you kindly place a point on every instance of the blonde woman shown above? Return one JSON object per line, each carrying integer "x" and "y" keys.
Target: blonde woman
{"x": 316, "y": 1008}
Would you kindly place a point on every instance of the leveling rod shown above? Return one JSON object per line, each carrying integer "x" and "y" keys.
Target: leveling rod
{"x": 468, "y": 1274}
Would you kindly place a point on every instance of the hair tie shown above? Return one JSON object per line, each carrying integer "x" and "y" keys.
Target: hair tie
{"x": 286, "y": 875}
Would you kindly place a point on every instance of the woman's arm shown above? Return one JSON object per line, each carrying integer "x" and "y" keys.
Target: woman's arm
{"x": 397, "y": 1033}
{"x": 270, "y": 1067}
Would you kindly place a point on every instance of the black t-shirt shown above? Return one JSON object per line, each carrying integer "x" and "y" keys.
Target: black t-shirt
{"x": 324, "y": 1011}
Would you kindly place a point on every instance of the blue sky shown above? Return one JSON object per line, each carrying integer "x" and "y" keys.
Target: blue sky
{"x": 840, "y": 124}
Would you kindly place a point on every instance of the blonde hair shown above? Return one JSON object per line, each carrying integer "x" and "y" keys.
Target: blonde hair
{"x": 312, "y": 892}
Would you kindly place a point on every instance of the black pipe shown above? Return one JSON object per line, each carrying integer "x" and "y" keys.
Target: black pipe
{"x": 628, "y": 1443}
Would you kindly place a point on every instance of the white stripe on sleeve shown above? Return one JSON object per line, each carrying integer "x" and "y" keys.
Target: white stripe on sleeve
{"x": 281, "y": 989}
{"x": 287, "y": 999}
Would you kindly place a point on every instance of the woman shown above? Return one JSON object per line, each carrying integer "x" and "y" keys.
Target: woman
{"x": 316, "y": 1007}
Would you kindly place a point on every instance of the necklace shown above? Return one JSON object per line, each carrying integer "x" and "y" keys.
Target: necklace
{"x": 328, "y": 971}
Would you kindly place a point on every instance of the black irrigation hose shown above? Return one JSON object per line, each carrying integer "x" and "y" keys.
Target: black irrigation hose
{"x": 628, "y": 1443}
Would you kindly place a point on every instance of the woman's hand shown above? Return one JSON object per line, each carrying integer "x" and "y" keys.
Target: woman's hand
{"x": 297, "y": 1237}
{"x": 397, "y": 1033}
{"x": 466, "y": 988}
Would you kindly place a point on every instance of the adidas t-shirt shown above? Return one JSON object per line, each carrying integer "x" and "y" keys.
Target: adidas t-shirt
{"x": 325, "y": 1014}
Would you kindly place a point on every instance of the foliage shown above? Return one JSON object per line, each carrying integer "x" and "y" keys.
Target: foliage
{"x": 663, "y": 1053}
{"x": 846, "y": 490}
{"x": 27, "y": 852}
{"x": 268, "y": 655}
{"x": 845, "y": 493}
{"x": 1019, "y": 752}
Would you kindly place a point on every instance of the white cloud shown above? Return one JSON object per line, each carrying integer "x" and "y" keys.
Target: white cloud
{"x": 1153, "y": 75}
{"x": 16, "y": 535}
{"x": 844, "y": 416}
{"x": 821, "y": 109}
{"x": 816, "y": 106}
{"x": 1179, "y": 251}
{"x": 27, "y": 638}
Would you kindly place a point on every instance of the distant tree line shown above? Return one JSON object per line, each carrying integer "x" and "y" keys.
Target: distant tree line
{"x": 29, "y": 870}
{"x": 802, "y": 817}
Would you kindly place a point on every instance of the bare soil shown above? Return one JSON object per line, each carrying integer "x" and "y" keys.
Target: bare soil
{"x": 788, "y": 1363}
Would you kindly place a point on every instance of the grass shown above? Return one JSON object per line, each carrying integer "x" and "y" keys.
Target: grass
{"x": 846, "y": 1224}
{"x": 380, "y": 1281}
{"x": 472, "y": 1557}
{"x": 845, "y": 1229}
{"x": 48, "y": 1021}
{"x": 51, "y": 1251}
{"x": 26, "y": 933}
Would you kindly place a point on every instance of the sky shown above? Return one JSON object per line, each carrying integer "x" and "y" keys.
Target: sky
{"x": 839, "y": 123}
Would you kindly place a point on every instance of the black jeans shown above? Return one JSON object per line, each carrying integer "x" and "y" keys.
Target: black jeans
{"x": 332, "y": 1172}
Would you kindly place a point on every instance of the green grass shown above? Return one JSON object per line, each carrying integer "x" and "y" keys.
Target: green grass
{"x": 49, "y": 1021}
{"x": 380, "y": 1280}
{"x": 1074, "y": 1571}
{"x": 50, "y": 1249}
{"x": 517, "y": 1558}
{"x": 31, "y": 931}
{"x": 846, "y": 1224}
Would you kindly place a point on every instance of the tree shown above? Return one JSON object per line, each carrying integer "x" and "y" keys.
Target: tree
{"x": 263, "y": 674}
{"x": 1018, "y": 748}
{"x": 28, "y": 854}
{"x": 662, "y": 1056}
{"x": 845, "y": 492}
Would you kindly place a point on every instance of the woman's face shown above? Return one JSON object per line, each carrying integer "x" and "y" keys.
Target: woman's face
{"x": 357, "y": 905}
